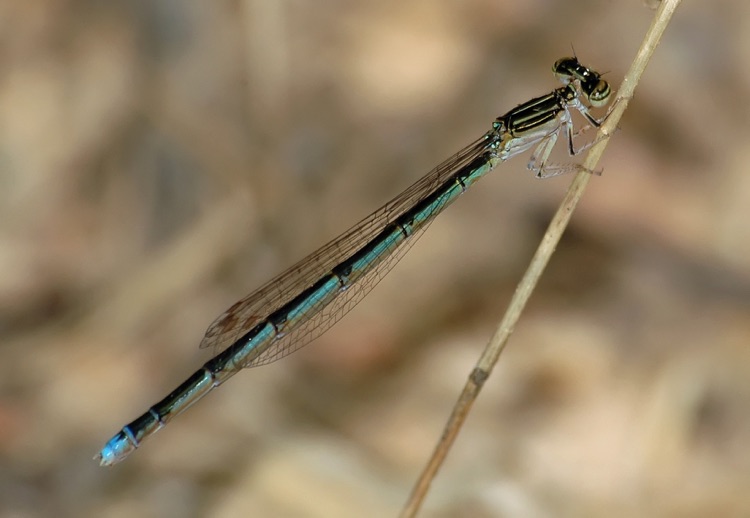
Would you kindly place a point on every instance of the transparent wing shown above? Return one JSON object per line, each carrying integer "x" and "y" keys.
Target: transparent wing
{"x": 256, "y": 307}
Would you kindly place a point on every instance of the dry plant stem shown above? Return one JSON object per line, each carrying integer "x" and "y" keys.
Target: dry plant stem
{"x": 521, "y": 296}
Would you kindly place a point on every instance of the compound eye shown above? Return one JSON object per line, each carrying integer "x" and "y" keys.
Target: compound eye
{"x": 564, "y": 69}
{"x": 565, "y": 65}
{"x": 599, "y": 94}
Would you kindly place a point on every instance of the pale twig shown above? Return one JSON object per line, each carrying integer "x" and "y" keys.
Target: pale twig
{"x": 527, "y": 284}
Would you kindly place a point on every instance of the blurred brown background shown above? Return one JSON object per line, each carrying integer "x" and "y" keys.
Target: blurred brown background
{"x": 161, "y": 159}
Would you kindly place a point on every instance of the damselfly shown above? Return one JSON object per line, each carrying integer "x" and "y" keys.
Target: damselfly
{"x": 300, "y": 304}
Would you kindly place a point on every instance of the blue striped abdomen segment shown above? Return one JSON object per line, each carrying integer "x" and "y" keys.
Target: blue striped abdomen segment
{"x": 213, "y": 373}
{"x": 304, "y": 311}
{"x": 424, "y": 211}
